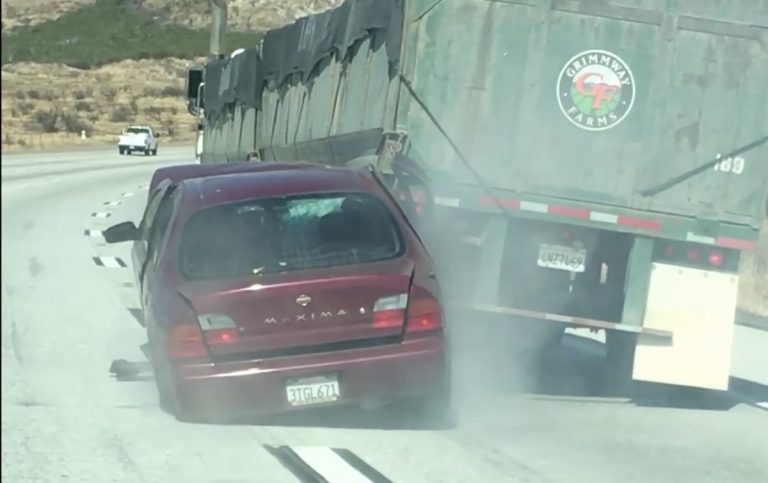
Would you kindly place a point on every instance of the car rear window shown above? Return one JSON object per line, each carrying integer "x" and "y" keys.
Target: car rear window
{"x": 283, "y": 234}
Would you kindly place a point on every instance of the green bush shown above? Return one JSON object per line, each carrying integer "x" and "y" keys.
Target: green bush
{"x": 108, "y": 31}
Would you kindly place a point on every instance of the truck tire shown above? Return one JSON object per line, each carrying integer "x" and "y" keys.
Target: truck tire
{"x": 147, "y": 152}
{"x": 154, "y": 151}
{"x": 121, "y": 150}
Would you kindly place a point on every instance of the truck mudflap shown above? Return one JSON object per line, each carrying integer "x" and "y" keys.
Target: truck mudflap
{"x": 659, "y": 336}
{"x": 699, "y": 307}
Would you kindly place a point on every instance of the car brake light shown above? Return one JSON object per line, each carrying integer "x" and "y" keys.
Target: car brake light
{"x": 389, "y": 312}
{"x": 715, "y": 259}
{"x": 185, "y": 341}
{"x": 424, "y": 313}
{"x": 219, "y": 329}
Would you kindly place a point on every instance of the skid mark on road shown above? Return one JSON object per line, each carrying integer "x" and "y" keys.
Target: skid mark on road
{"x": 315, "y": 464}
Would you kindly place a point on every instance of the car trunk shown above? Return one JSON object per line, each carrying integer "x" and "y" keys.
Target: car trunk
{"x": 292, "y": 313}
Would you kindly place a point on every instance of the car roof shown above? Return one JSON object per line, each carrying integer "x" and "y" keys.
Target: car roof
{"x": 279, "y": 181}
{"x": 181, "y": 172}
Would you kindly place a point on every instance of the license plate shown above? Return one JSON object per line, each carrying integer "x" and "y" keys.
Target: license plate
{"x": 559, "y": 257}
{"x": 313, "y": 390}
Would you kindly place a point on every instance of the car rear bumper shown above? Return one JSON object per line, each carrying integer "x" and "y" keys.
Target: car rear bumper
{"x": 409, "y": 370}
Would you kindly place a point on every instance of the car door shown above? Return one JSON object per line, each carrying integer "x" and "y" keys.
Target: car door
{"x": 156, "y": 238}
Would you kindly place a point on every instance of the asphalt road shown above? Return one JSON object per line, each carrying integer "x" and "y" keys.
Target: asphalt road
{"x": 65, "y": 317}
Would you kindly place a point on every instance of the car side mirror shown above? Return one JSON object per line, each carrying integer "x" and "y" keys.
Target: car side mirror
{"x": 122, "y": 232}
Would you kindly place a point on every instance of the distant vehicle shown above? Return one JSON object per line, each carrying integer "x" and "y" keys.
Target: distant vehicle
{"x": 271, "y": 287}
{"x": 138, "y": 139}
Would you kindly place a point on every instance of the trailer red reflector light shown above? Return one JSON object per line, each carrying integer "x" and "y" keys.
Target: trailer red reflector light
{"x": 735, "y": 243}
{"x": 568, "y": 211}
{"x": 642, "y": 223}
{"x": 505, "y": 202}
{"x": 692, "y": 255}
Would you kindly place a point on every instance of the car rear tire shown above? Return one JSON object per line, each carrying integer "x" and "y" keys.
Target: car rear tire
{"x": 121, "y": 151}
{"x": 154, "y": 152}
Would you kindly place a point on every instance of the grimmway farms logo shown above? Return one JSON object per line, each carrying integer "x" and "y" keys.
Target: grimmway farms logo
{"x": 596, "y": 90}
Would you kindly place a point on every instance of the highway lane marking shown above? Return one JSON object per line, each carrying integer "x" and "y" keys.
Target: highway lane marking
{"x": 110, "y": 262}
{"x": 101, "y": 214}
{"x": 329, "y": 465}
{"x": 127, "y": 194}
{"x": 94, "y": 233}
{"x": 112, "y": 203}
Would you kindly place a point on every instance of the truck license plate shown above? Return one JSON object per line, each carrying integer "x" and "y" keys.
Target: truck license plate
{"x": 314, "y": 390}
{"x": 559, "y": 257}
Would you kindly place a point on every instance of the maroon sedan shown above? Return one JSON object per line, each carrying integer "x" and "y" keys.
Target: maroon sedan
{"x": 270, "y": 287}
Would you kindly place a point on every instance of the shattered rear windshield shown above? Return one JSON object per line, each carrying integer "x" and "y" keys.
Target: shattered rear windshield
{"x": 283, "y": 234}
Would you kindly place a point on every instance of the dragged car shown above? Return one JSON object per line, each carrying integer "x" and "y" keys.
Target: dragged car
{"x": 270, "y": 288}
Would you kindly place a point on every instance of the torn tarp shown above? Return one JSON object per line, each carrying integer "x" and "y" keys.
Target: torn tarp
{"x": 298, "y": 49}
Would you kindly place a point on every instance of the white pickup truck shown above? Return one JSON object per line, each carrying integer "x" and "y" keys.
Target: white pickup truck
{"x": 138, "y": 138}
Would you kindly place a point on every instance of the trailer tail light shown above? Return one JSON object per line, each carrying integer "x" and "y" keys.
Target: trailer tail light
{"x": 389, "y": 312}
{"x": 697, "y": 256}
{"x": 716, "y": 259}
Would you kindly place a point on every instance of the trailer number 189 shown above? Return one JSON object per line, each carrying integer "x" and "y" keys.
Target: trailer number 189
{"x": 731, "y": 165}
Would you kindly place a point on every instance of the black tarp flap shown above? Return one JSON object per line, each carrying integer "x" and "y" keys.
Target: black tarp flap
{"x": 248, "y": 79}
{"x": 298, "y": 48}
{"x": 213, "y": 100}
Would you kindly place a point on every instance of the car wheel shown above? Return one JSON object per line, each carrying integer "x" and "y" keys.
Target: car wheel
{"x": 121, "y": 151}
{"x": 154, "y": 152}
{"x": 147, "y": 151}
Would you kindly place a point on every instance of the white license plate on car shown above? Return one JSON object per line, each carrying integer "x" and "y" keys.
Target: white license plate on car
{"x": 560, "y": 257}
{"x": 312, "y": 390}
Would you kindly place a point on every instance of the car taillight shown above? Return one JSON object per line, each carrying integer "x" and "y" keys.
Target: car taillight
{"x": 185, "y": 341}
{"x": 219, "y": 329}
{"x": 424, "y": 314}
{"x": 389, "y": 312}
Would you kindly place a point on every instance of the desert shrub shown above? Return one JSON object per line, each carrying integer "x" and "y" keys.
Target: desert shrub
{"x": 47, "y": 120}
{"x": 122, "y": 114}
{"x": 74, "y": 124}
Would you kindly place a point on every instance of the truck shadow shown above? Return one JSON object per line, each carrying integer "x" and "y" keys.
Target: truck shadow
{"x": 577, "y": 370}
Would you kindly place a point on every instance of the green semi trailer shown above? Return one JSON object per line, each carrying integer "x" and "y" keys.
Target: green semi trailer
{"x": 573, "y": 163}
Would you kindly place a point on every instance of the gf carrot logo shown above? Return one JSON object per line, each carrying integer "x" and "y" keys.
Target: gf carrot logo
{"x": 596, "y": 90}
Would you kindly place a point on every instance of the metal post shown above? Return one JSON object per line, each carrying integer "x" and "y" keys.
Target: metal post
{"x": 218, "y": 26}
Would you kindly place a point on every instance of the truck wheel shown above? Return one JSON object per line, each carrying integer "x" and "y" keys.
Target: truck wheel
{"x": 154, "y": 151}
{"x": 146, "y": 152}
{"x": 121, "y": 150}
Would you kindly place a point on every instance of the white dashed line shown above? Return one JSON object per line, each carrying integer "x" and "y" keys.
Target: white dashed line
{"x": 101, "y": 214}
{"x": 109, "y": 262}
{"x": 127, "y": 195}
{"x": 94, "y": 233}
{"x": 112, "y": 203}
{"x": 329, "y": 465}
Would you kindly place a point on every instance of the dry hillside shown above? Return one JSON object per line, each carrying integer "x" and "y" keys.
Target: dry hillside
{"x": 243, "y": 14}
{"x": 48, "y": 105}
